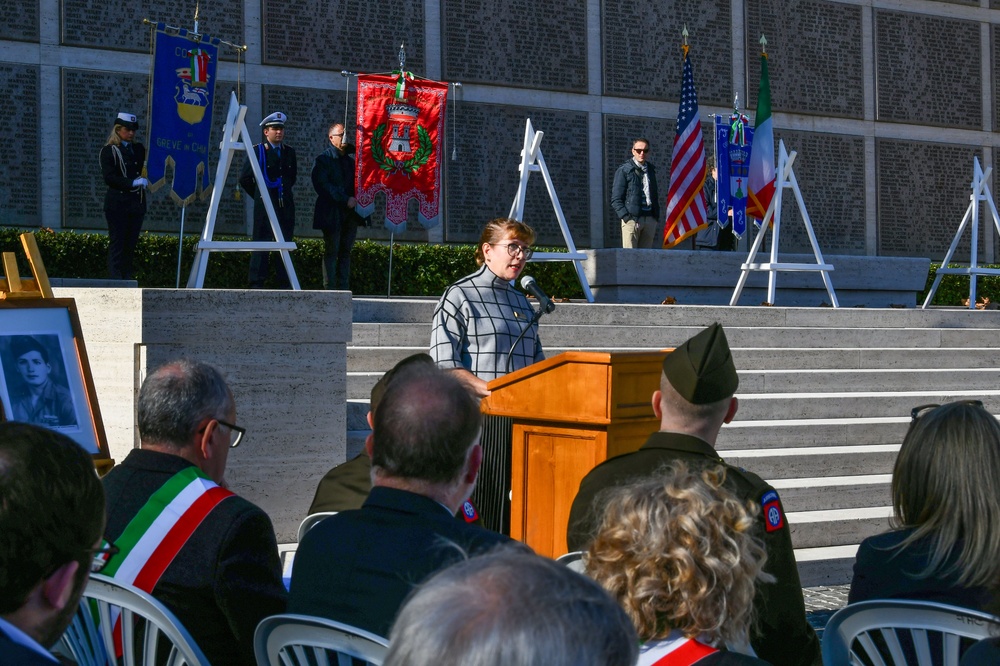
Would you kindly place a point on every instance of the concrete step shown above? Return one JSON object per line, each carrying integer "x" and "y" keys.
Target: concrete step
{"x": 596, "y": 336}
{"x": 826, "y": 565}
{"x": 860, "y": 404}
{"x": 827, "y": 380}
{"x": 782, "y": 433}
{"x": 837, "y": 527}
{"x": 807, "y": 462}
{"x": 834, "y": 492}
{"x": 420, "y": 310}
{"x": 381, "y": 358}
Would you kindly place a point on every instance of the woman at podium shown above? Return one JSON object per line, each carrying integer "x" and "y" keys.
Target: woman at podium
{"x": 484, "y": 328}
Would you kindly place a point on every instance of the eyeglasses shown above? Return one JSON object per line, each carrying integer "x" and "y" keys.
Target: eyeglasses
{"x": 513, "y": 249}
{"x": 101, "y": 556}
{"x": 641, "y": 150}
{"x": 920, "y": 411}
{"x": 235, "y": 433}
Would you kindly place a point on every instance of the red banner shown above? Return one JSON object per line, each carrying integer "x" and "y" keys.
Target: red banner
{"x": 399, "y": 147}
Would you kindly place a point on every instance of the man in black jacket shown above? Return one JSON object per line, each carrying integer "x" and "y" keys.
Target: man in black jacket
{"x": 358, "y": 566}
{"x": 696, "y": 397}
{"x": 635, "y": 200}
{"x": 333, "y": 180}
{"x": 280, "y": 169}
{"x": 209, "y": 555}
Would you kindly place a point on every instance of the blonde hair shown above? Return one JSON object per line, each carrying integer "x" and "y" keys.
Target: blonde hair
{"x": 946, "y": 486}
{"x": 497, "y": 230}
{"x": 114, "y": 139}
{"x": 677, "y": 552}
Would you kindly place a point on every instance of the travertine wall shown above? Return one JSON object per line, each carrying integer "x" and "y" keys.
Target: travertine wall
{"x": 885, "y": 103}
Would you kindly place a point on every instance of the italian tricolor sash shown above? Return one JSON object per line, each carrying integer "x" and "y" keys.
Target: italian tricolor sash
{"x": 161, "y": 528}
{"x": 680, "y": 652}
{"x": 157, "y": 533}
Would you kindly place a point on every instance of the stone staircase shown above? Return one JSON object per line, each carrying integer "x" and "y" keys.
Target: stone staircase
{"x": 825, "y": 395}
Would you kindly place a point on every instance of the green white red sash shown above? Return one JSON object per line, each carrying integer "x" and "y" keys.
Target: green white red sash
{"x": 160, "y": 529}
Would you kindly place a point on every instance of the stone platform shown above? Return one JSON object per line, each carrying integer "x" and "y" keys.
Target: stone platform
{"x": 709, "y": 278}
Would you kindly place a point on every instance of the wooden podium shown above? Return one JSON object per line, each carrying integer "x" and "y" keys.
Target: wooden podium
{"x": 569, "y": 412}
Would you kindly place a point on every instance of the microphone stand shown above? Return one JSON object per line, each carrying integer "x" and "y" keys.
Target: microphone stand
{"x": 534, "y": 320}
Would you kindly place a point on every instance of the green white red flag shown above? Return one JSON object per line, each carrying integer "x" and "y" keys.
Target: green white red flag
{"x": 762, "y": 176}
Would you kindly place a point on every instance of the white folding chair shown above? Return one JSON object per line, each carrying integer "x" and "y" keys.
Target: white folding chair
{"x": 310, "y": 521}
{"x": 572, "y": 560}
{"x": 892, "y": 632}
{"x": 148, "y": 629}
{"x": 301, "y": 640}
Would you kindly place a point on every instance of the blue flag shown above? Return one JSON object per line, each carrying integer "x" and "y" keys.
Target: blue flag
{"x": 183, "y": 92}
{"x": 733, "y": 138}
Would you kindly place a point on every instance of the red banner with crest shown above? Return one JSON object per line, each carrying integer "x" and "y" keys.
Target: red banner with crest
{"x": 399, "y": 146}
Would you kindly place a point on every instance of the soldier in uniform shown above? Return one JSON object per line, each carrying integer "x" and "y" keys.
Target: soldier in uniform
{"x": 279, "y": 168}
{"x": 696, "y": 397}
{"x": 122, "y": 161}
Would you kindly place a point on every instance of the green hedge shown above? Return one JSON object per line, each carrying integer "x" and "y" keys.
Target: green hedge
{"x": 417, "y": 269}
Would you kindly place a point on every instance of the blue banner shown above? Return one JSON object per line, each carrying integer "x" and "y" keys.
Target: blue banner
{"x": 733, "y": 138}
{"x": 183, "y": 92}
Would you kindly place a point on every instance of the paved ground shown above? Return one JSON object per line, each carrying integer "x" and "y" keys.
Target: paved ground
{"x": 822, "y": 602}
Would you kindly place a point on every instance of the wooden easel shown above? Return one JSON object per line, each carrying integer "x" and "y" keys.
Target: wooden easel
{"x": 14, "y": 287}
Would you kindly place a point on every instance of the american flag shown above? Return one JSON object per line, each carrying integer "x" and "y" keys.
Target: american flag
{"x": 686, "y": 210}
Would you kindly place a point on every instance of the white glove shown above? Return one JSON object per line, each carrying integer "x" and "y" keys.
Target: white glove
{"x": 140, "y": 182}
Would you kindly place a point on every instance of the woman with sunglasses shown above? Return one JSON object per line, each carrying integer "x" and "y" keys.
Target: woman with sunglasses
{"x": 946, "y": 513}
{"x": 484, "y": 328}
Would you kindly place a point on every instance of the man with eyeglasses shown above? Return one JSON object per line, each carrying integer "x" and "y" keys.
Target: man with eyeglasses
{"x": 635, "y": 200}
{"x": 208, "y": 554}
{"x": 333, "y": 180}
{"x": 51, "y": 519}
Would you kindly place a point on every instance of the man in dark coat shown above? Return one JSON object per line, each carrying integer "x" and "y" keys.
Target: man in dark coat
{"x": 635, "y": 199}
{"x": 280, "y": 168}
{"x": 694, "y": 400}
{"x": 358, "y": 566}
{"x": 713, "y": 236}
{"x": 226, "y": 577}
{"x": 51, "y": 518}
{"x": 333, "y": 180}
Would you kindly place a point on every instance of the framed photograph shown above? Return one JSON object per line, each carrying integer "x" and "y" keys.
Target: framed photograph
{"x": 46, "y": 378}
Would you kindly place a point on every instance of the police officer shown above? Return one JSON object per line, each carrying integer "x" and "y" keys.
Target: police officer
{"x": 122, "y": 161}
{"x": 279, "y": 168}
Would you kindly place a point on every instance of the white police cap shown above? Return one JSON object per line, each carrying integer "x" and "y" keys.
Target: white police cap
{"x": 276, "y": 119}
{"x": 127, "y": 120}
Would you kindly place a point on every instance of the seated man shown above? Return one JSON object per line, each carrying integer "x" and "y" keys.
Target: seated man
{"x": 219, "y": 570}
{"x": 357, "y": 567}
{"x": 347, "y": 485}
{"x": 696, "y": 397}
{"x": 511, "y": 607}
{"x": 51, "y": 520}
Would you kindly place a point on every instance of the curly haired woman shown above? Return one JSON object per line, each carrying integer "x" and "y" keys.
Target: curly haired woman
{"x": 678, "y": 554}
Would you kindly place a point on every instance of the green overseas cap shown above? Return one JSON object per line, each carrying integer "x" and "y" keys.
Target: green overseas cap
{"x": 701, "y": 369}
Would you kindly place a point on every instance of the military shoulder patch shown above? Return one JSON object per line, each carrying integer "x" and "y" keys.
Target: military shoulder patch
{"x": 469, "y": 512}
{"x": 774, "y": 517}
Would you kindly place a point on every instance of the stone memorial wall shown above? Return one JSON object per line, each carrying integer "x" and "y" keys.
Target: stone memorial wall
{"x": 591, "y": 75}
{"x": 21, "y": 167}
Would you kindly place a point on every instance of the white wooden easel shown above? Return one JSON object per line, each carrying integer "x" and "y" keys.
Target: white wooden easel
{"x": 786, "y": 178}
{"x": 532, "y": 160}
{"x": 980, "y": 192}
{"x": 235, "y": 130}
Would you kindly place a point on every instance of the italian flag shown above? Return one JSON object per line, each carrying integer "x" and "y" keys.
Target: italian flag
{"x": 761, "y": 178}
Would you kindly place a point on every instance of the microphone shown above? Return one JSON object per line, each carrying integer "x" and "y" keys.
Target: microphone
{"x": 545, "y": 304}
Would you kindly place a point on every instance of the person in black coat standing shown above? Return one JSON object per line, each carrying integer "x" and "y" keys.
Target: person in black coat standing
{"x": 333, "y": 180}
{"x": 279, "y": 167}
{"x": 122, "y": 161}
